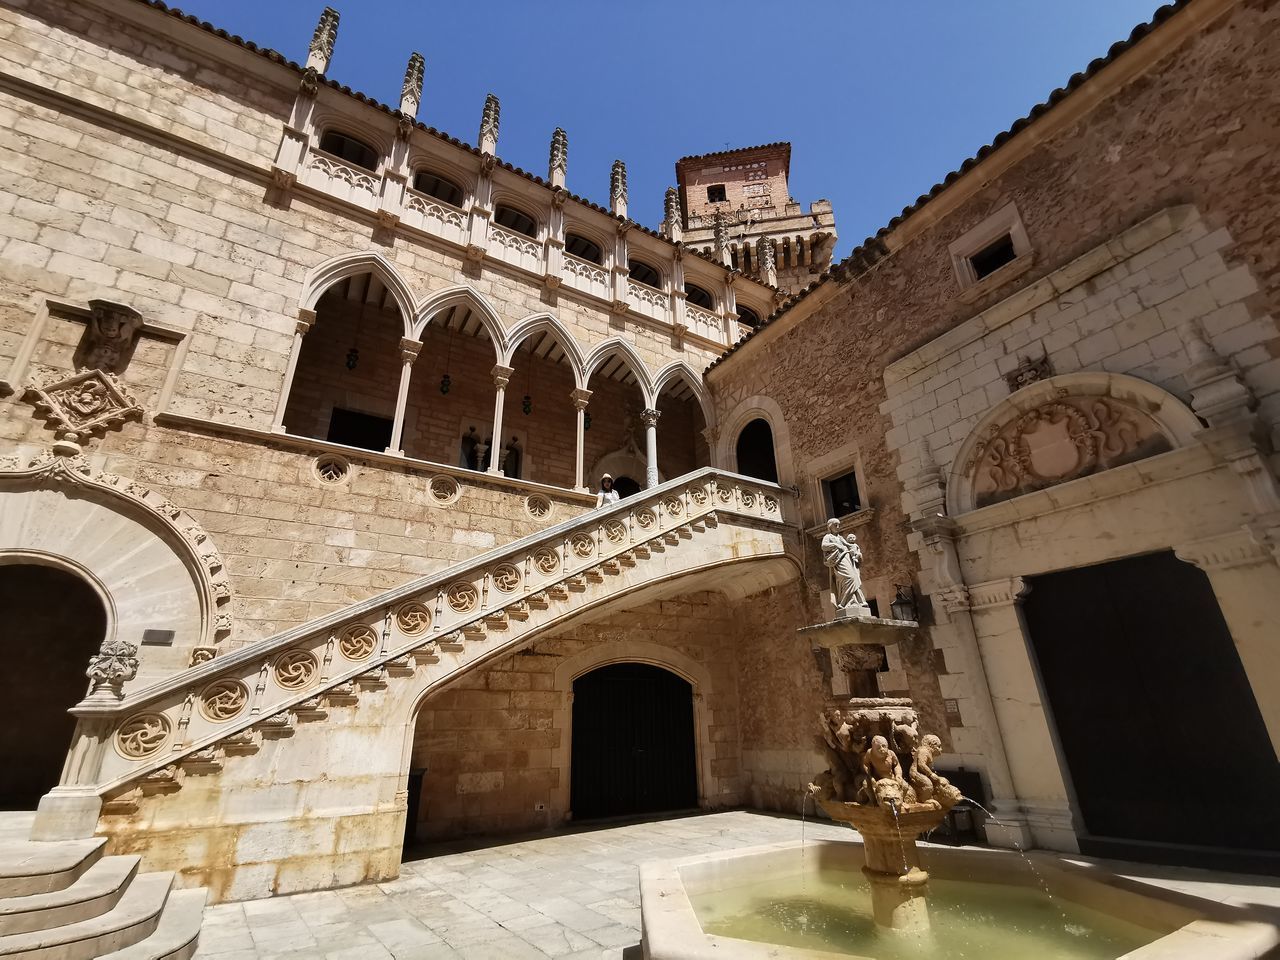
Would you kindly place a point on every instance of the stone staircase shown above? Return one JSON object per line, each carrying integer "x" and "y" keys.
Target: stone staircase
{"x": 63, "y": 899}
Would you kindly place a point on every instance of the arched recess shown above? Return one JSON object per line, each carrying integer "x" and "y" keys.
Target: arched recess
{"x": 545, "y": 323}
{"x": 621, "y": 391}
{"x": 686, "y": 416}
{"x": 323, "y": 276}
{"x": 438, "y": 303}
{"x": 159, "y": 576}
{"x": 1106, "y": 420}
{"x": 755, "y": 452}
{"x": 615, "y": 348}
{"x": 680, "y": 370}
{"x": 767, "y": 409}
{"x": 630, "y": 651}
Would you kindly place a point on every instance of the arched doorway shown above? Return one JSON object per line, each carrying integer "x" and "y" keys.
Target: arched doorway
{"x": 57, "y": 622}
{"x": 755, "y": 451}
{"x": 633, "y": 742}
{"x": 626, "y": 486}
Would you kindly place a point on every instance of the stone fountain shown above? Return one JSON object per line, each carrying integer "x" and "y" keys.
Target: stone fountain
{"x": 864, "y": 786}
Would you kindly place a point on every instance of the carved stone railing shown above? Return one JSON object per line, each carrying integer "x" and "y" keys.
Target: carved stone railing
{"x": 196, "y": 717}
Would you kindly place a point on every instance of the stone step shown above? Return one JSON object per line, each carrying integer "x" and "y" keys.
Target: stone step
{"x": 96, "y": 892}
{"x": 178, "y": 934}
{"x": 134, "y": 918}
{"x": 28, "y": 867}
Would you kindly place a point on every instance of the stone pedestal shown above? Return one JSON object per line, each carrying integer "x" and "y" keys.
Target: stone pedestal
{"x": 898, "y": 900}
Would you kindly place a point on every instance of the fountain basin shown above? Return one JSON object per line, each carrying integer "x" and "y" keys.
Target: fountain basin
{"x": 722, "y": 905}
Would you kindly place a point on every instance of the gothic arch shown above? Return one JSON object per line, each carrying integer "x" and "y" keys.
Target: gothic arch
{"x": 615, "y": 346}
{"x": 680, "y": 370}
{"x": 545, "y": 323}
{"x": 153, "y": 564}
{"x": 321, "y": 277}
{"x": 1175, "y": 423}
{"x": 762, "y": 408}
{"x": 440, "y": 301}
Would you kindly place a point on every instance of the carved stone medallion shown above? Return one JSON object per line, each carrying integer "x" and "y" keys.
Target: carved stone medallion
{"x": 358, "y": 642}
{"x": 82, "y": 404}
{"x": 223, "y": 700}
{"x": 142, "y": 735}
{"x": 295, "y": 669}
{"x": 413, "y": 618}
{"x": 506, "y": 578}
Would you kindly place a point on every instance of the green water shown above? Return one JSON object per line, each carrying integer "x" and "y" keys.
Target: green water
{"x": 970, "y": 921}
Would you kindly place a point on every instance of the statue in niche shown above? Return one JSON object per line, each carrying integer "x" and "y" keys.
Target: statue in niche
{"x": 928, "y": 783}
{"x": 843, "y": 557}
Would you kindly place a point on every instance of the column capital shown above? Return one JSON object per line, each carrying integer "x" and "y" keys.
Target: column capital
{"x": 306, "y": 320}
{"x": 580, "y": 398}
{"x": 409, "y": 349}
{"x": 998, "y": 593}
{"x": 650, "y": 417}
{"x": 501, "y": 375}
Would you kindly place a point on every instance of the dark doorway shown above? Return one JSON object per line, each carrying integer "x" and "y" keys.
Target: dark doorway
{"x": 755, "y": 452}
{"x": 632, "y": 742}
{"x": 1157, "y": 722}
{"x": 355, "y": 429}
{"x": 626, "y": 487}
{"x": 58, "y": 623}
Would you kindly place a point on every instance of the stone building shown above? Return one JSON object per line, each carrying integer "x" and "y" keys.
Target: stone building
{"x": 736, "y": 206}
{"x": 305, "y": 405}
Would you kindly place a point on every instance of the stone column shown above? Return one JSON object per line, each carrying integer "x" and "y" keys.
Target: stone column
{"x": 712, "y": 436}
{"x": 501, "y": 377}
{"x": 650, "y": 418}
{"x": 621, "y": 272}
{"x": 409, "y": 350}
{"x": 1246, "y": 581}
{"x": 305, "y": 320}
{"x": 580, "y": 400}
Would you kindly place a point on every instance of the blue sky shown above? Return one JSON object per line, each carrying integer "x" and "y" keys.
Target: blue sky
{"x": 879, "y": 100}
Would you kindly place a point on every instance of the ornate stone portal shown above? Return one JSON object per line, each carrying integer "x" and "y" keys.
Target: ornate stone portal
{"x": 866, "y": 742}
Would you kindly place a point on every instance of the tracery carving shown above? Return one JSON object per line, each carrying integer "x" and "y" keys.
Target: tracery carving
{"x": 115, "y": 663}
{"x": 646, "y": 518}
{"x": 413, "y": 618}
{"x": 462, "y": 596}
{"x": 547, "y": 561}
{"x": 82, "y": 404}
{"x": 358, "y": 642}
{"x": 615, "y": 530}
{"x": 444, "y": 490}
{"x": 295, "y": 669}
{"x": 673, "y": 506}
{"x": 223, "y": 700}
{"x": 537, "y": 506}
{"x": 142, "y": 735}
{"x": 582, "y": 546}
{"x": 1059, "y": 440}
{"x": 506, "y": 578}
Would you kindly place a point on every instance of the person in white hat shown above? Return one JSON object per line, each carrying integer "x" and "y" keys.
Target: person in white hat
{"x": 607, "y": 495}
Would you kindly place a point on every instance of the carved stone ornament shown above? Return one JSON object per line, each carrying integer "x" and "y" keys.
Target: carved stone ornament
{"x": 142, "y": 735}
{"x": 671, "y": 206}
{"x": 223, "y": 700}
{"x": 490, "y": 118}
{"x": 1060, "y": 440}
{"x": 115, "y": 663}
{"x": 358, "y": 642}
{"x": 1028, "y": 372}
{"x": 463, "y": 596}
{"x": 411, "y": 89}
{"x": 413, "y": 618}
{"x": 83, "y": 404}
{"x": 506, "y": 578}
{"x": 110, "y": 336}
{"x": 326, "y": 35}
{"x": 295, "y": 669}
{"x": 618, "y": 183}
{"x": 559, "y": 159}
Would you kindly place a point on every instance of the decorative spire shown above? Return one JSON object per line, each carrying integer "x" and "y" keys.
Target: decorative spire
{"x": 721, "y": 234}
{"x": 558, "y": 164}
{"x": 672, "y": 218}
{"x": 767, "y": 253}
{"x": 618, "y": 189}
{"x": 321, "y": 50}
{"x": 411, "y": 91}
{"x": 489, "y": 125}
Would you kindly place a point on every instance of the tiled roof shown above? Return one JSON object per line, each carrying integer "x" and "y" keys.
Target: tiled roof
{"x": 279, "y": 58}
{"x": 736, "y": 150}
{"x": 873, "y": 248}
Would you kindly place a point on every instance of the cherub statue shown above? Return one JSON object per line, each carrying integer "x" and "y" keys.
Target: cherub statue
{"x": 930, "y": 786}
{"x": 884, "y": 772}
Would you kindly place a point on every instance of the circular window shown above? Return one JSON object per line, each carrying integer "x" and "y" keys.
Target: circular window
{"x": 444, "y": 490}
{"x": 331, "y": 468}
{"x": 538, "y": 506}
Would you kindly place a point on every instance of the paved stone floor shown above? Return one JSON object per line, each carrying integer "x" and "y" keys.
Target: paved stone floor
{"x": 570, "y": 895}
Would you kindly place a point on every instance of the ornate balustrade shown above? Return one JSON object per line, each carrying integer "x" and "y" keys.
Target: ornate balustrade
{"x": 502, "y": 597}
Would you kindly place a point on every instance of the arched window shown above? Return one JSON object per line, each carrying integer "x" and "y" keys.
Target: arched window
{"x": 699, "y": 297}
{"x": 350, "y": 149}
{"x": 755, "y": 451}
{"x": 582, "y": 248}
{"x": 641, "y": 272}
{"x": 512, "y": 219}
{"x": 748, "y": 316}
{"x": 436, "y": 186}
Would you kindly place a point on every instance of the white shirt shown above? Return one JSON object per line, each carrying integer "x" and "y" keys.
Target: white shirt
{"x": 606, "y": 497}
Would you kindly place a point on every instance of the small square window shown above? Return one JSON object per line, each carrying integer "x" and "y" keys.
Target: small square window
{"x": 842, "y": 494}
{"x": 992, "y": 257}
{"x": 716, "y": 193}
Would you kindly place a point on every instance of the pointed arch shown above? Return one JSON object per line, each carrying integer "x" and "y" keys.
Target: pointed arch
{"x": 680, "y": 370}
{"x": 615, "y": 346}
{"x": 323, "y": 276}
{"x": 438, "y": 302}
{"x": 548, "y": 324}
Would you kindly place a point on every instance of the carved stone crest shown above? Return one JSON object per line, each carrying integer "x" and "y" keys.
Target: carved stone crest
{"x": 82, "y": 404}
{"x": 114, "y": 663}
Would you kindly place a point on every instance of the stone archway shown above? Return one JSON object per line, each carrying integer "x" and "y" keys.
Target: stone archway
{"x": 55, "y": 621}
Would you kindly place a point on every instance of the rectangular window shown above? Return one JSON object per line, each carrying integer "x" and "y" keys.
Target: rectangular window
{"x": 363, "y": 430}
{"x": 842, "y": 494}
{"x": 992, "y": 257}
{"x": 716, "y": 193}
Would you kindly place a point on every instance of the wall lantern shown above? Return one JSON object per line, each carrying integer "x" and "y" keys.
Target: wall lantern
{"x": 353, "y": 358}
{"x": 445, "y": 383}
{"x": 586, "y": 420}
{"x": 904, "y": 604}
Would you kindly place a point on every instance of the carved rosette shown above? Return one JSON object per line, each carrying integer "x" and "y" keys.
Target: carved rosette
{"x": 673, "y": 506}
{"x": 115, "y": 663}
{"x": 82, "y": 405}
{"x": 444, "y": 490}
{"x": 506, "y": 578}
{"x": 223, "y": 700}
{"x": 547, "y": 561}
{"x": 538, "y": 506}
{"x": 143, "y": 735}
{"x": 413, "y": 618}
{"x": 1060, "y": 440}
{"x": 582, "y": 546}
{"x": 615, "y": 531}
{"x": 646, "y": 518}
{"x": 295, "y": 669}
{"x": 462, "y": 596}
{"x": 358, "y": 642}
